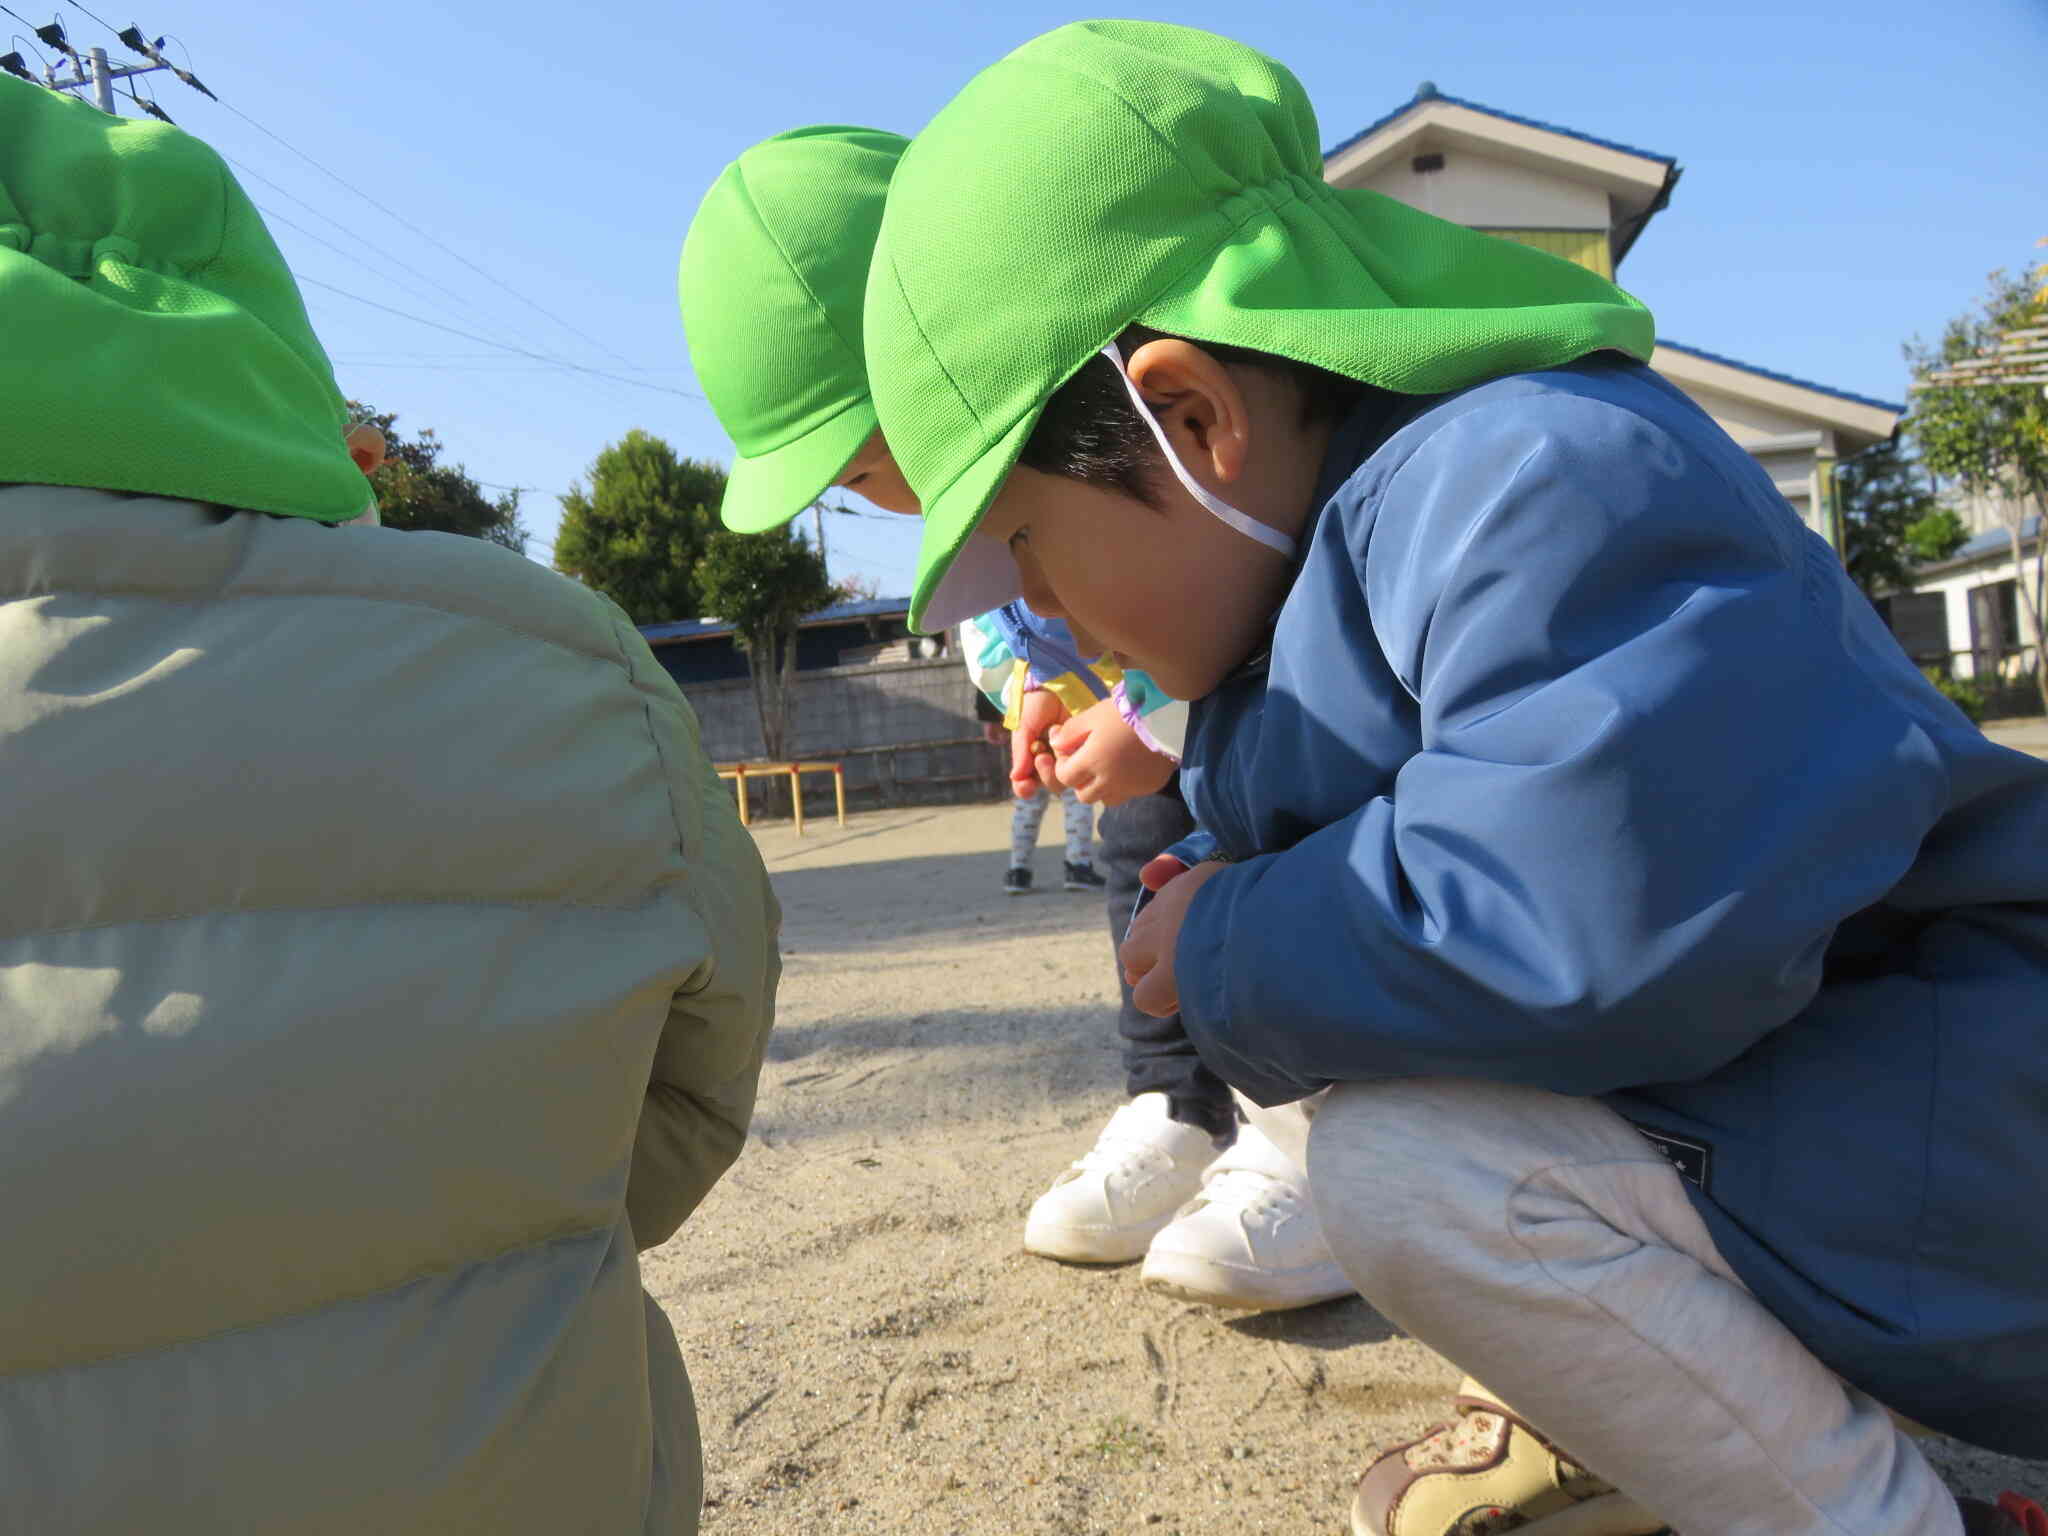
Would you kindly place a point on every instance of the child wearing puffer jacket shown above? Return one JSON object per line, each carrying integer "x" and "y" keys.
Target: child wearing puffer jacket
{"x": 381, "y": 968}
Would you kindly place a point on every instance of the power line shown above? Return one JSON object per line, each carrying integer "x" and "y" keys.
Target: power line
{"x": 559, "y": 362}
{"x": 100, "y": 19}
{"x": 454, "y": 362}
{"x": 32, "y": 32}
{"x": 400, "y": 218}
{"x": 148, "y": 106}
{"x": 387, "y": 211}
{"x": 277, "y": 218}
{"x": 249, "y": 170}
{"x": 549, "y": 359}
{"x": 30, "y": 42}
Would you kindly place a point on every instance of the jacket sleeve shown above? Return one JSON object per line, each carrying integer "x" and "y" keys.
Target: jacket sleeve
{"x": 1160, "y": 720}
{"x": 991, "y": 660}
{"x": 700, "y": 1091}
{"x": 1651, "y": 781}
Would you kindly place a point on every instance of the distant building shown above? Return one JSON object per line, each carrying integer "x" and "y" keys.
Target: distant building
{"x": 896, "y": 710}
{"x": 1963, "y": 612}
{"x": 846, "y": 634}
{"x": 1588, "y": 200}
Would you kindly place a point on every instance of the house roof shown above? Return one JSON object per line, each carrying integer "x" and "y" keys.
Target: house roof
{"x": 681, "y": 630}
{"x": 1858, "y": 421}
{"x": 1638, "y": 181}
{"x": 1427, "y": 91}
{"x": 1897, "y": 408}
{"x": 1992, "y": 541}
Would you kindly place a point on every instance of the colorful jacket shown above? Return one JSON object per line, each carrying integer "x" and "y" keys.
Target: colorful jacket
{"x": 381, "y": 968}
{"x": 1012, "y": 650}
{"x": 1577, "y": 762}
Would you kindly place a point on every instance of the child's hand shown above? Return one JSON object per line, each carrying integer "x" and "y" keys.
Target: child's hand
{"x": 1031, "y": 759}
{"x": 1160, "y": 872}
{"x": 1103, "y": 761}
{"x": 1147, "y": 951}
{"x": 366, "y": 447}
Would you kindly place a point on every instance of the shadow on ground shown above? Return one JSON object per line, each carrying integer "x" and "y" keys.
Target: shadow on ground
{"x": 1336, "y": 1324}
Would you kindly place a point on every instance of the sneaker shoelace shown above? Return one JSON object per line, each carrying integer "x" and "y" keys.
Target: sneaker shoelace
{"x": 1251, "y": 1192}
{"x": 1119, "y": 1146}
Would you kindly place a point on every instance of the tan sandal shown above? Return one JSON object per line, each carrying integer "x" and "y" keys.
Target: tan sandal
{"x": 1490, "y": 1471}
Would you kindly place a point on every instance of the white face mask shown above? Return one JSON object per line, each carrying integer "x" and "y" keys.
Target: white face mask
{"x": 1250, "y": 527}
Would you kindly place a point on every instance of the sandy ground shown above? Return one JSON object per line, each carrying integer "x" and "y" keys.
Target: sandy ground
{"x": 873, "y": 1351}
{"x": 2026, "y": 733}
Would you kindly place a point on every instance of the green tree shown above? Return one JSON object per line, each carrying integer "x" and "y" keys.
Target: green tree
{"x": 1891, "y": 519}
{"x": 1991, "y": 436}
{"x": 416, "y": 491}
{"x": 637, "y": 533}
{"x": 762, "y": 584}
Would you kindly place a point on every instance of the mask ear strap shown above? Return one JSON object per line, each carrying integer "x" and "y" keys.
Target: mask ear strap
{"x": 1250, "y": 527}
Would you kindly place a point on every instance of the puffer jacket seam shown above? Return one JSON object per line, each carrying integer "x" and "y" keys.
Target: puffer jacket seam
{"x": 668, "y": 777}
{"x": 552, "y": 903}
{"x": 702, "y": 977}
{"x": 227, "y": 595}
{"x": 326, "y": 1304}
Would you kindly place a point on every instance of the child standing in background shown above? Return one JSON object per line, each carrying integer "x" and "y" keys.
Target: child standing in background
{"x": 1012, "y": 656}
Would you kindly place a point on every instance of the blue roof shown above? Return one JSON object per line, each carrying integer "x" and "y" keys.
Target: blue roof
{"x": 1993, "y": 541}
{"x": 1893, "y": 406}
{"x": 1431, "y": 93}
{"x": 838, "y": 613}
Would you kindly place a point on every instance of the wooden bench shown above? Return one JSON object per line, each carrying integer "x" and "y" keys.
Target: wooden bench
{"x": 739, "y": 773}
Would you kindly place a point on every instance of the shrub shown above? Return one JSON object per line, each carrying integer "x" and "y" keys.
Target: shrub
{"x": 1961, "y": 692}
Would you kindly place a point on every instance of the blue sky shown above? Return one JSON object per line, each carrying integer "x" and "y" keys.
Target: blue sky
{"x": 1851, "y": 171}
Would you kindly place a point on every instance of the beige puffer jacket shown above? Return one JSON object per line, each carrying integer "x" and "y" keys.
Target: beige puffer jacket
{"x": 379, "y": 963}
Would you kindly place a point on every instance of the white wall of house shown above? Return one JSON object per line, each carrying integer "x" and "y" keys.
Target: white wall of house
{"x": 1743, "y": 417}
{"x": 1955, "y": 587}
{"x": 1489, "y": 193}
{"x": 1500, "y": 174}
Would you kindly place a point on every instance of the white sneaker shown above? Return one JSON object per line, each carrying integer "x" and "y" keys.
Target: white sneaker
{"x": 1106, "y": 1208}
{"x": 1249, "y": 1239}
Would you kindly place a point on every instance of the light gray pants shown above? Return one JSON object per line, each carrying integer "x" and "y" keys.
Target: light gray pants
{"x": 1025, "y": 819}
{"x": 1544, "y": 1247}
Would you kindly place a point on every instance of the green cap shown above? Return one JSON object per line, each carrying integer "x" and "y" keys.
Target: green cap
{"x": 155, "y": 339}
{"x": 1121, "y": 172}
{"x": 773, "y": 272}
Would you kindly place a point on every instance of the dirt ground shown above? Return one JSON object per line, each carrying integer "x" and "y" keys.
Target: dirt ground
{"x": 871, "y": 1348}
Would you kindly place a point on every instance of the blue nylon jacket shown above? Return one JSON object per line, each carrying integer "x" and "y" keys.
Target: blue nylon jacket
{"x": 1577, "y": 762}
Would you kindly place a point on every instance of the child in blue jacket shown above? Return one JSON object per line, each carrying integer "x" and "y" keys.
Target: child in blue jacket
{"x": 1679, "y": 957}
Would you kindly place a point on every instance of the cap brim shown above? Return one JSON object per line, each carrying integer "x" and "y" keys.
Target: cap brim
{"x": 960, "y": 573}
{"x": 769, "y": 489}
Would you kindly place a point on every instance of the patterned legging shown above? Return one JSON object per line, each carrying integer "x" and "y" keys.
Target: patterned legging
{"x": 1029, "y": 814}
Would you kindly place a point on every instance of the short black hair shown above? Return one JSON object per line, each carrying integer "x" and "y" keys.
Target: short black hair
{"x": 1090, "y": 429}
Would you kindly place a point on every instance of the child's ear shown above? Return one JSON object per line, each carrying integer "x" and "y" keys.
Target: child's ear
{"x": 1198, "y": 403}
{"x": 366, "y": 447}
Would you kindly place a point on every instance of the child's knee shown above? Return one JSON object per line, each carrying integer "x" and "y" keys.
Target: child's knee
{"x": 1377, "y": 1164}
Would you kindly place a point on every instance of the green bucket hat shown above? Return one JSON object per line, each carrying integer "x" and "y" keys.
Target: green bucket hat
{"x": 773, "y": 272}
{"x": 156, "y": 342}
{"x": 1114, "y": 173}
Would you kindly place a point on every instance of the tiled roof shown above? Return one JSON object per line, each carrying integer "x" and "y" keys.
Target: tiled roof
{"x": 1783, "y": 378}
{"x": 1429, "y": 92}
{"x": 1993, "y": 541}
{"x": 838, "y": 613}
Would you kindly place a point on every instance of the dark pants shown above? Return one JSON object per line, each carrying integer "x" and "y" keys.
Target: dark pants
{"x": 1158, "y": 1055}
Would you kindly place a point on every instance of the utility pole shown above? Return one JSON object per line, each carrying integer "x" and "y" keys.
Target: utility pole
{"x": 103, "y": 80}
{"x": 93, "y": 69}
{"x": 818, "y": 516}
